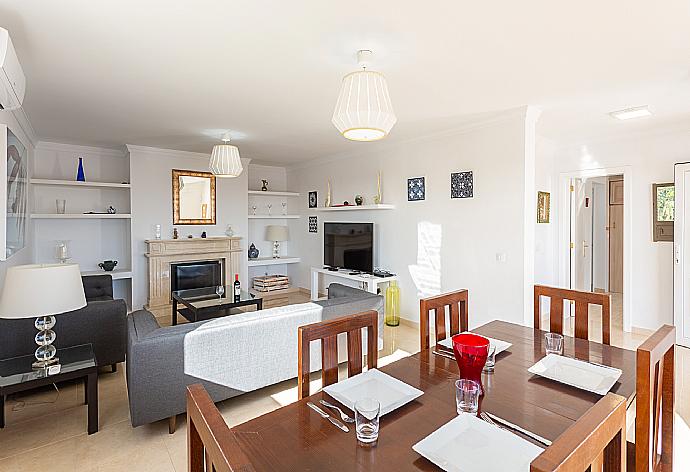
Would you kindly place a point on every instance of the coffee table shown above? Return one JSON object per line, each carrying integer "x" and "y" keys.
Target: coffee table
{"x": 204, "y": 304}
{"x": 17, "y": 375}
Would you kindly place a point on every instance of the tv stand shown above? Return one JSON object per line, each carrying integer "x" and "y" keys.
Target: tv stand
{"x": 368, "y": 281}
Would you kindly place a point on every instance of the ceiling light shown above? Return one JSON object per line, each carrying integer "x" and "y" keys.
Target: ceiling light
{"x": 364, "y": 111}
{"x": 225, "y": 159}
{"x": 630, "y": 113}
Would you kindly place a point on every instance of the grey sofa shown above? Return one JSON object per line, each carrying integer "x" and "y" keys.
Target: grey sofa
{"x": 102, "y": 322}
{"x": 156, "y": 382}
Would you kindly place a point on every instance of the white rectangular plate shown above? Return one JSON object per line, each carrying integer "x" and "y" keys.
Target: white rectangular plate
{"x": 576, "y": 373}
{"x": 468, "y": 444}
{"x": 389, "y": 391}
{"x": 500, "y": 345}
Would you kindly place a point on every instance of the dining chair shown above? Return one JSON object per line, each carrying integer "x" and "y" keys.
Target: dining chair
{"x": 211, "y": 445}
{"x": 582, "y": 301}
{"x": 457, "y": 303}
{"x": 594, "y": 442}
{"x": 328, "y": 331}
{"x": 653, "y": 447}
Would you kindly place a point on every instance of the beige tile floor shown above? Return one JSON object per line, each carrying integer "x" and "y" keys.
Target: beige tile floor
{"x": 46, "y": 430}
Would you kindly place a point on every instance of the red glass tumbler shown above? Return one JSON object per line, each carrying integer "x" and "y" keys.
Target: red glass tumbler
{"x": 471, "y": 351}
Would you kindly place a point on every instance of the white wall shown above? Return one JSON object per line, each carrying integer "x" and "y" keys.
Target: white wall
{"x": 440, "y": 244}
{"x": 650, "y": 159}
{"x": 24, "y": 256}
{"x": 151, "y": 178}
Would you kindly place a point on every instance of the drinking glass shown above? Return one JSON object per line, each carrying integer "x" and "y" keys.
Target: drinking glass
{"x": 490, "y": 359}
{"x": 554, "y": 343}
{"x": 467, "y": 396}
{"x": 367, "y": 412}
{"x": 220, "y": 290}
{"x": 471, "y": 351}
{"x": 60, "y": 206}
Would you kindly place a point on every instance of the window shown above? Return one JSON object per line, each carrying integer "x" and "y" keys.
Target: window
{"x": 664, "y": 196}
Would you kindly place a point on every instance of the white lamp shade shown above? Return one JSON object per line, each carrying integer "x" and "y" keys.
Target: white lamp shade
{"x": 225, "y": 161}
{"x": 364, "y": 111}
{"x": 37, "y": 290}
{"x": 276, "y": 233}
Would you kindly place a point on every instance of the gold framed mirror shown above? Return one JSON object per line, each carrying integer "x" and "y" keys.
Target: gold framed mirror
{"x": 194, "y": 197}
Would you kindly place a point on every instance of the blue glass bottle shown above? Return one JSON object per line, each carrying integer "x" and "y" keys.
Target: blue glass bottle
{"x": 80, "y": 172}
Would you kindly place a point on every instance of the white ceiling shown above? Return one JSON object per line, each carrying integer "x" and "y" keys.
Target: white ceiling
{"x": 176, "y": 74}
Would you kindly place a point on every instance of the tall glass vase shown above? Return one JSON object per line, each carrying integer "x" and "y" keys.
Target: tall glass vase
{"x": 393, "y": 304}
{"x": 80, "y": 171}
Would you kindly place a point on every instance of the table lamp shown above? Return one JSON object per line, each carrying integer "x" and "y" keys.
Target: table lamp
{"x": 276, "y": 233}
{"x": 41, "y": 291}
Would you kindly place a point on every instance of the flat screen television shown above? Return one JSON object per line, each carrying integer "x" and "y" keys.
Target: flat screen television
{"x": 349, "y": 246}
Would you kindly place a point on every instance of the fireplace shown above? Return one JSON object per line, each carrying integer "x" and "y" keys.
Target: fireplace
{"x": 197, "y": 274}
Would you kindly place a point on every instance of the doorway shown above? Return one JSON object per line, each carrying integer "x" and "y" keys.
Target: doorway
{"x": 596, "y": 242}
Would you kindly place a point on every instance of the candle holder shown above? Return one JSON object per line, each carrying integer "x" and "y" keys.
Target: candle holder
{"x": 62, "y": 252}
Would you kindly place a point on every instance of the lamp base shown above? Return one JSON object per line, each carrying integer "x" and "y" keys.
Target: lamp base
{"x": 276, "y": 249}
{"x": 40, "y": 365}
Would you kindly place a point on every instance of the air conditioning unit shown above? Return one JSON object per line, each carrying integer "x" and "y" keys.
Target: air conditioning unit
{"x": 12, "y": 80}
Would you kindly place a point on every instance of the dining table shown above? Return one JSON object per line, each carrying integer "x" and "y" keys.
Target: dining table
{"x": 295, "y": 437}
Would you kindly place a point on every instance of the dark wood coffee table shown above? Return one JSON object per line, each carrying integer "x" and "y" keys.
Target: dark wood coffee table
{"x": 76, "y": 362}
{"x": 204, "y": 303}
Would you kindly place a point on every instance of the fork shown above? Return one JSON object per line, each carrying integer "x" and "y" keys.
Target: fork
{"x": 343, "y": 416}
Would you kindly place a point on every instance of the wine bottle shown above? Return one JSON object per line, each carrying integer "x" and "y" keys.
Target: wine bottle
{"x": 236, "y": 287}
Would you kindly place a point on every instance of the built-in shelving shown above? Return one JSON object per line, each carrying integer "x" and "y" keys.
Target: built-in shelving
{"x": 271, "y": 193}
{"x": 380, "y": 206}
{"x": 87, "y": 216}
{"x": 74, "y": 183}
{"x": 273, "y": 217}
{"x": 116, "y": 274}
{"x": 265, "y": 261}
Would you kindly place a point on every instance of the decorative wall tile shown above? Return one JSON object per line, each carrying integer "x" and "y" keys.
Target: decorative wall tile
{"x": 313, "y": 200}
{"x": 416, "y": 189}
{"x": 461, "y": 185}
{"x": 313, "y": 224}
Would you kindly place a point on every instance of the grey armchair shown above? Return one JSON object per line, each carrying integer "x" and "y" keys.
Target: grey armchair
{"x": 102, "y": 322}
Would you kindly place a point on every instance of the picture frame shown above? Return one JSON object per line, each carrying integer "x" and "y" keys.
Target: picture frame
{"x": 15, "y": 190}
{"x": 543, "y": 207}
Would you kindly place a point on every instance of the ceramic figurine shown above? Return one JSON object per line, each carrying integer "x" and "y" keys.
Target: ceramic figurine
{"x": 111, "y": 210}
{"x": 359, "y": 200}
{"x": 264, "y": 185}
{"x": 175, "y": 234}
{"x": 253, "y": 252}
{"x": 203, "y": 234}
{"x": 189, "y": 236}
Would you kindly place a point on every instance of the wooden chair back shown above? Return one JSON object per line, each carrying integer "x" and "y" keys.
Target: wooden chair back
{"x": 457, "y": 303}
{"x": 328, "y": 331}
{"x": 594, "y": 442}
{"x": 582, "y": 301}
{"x": 211, "y": 445}
{"x": 655, "y": 401}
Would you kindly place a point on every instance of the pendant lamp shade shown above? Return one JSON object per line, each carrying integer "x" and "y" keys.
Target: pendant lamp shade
{"x": 225, "y": 160}
{"x": 364, "y": 111}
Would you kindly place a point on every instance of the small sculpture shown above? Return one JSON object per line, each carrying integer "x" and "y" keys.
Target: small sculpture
{"x": 203, "y": 234}
{"x": 378, "y": 198}
{"x": 175, "y": 234}
{"x": 229, "y": 231}
{"x": 264, "y": 185}
{"x": 111, "y": 210}
{"x": 359, "y": 200}
{"x": 189, "y": 236}
{"x": 107, "y": 266}
{"x": 252, "y": 252}
{"x": 328, "y": 194}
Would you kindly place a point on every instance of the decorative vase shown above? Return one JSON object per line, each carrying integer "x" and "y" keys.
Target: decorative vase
{"x": 229, "y": 231}
{"x": 359, "y": 200}
{"x": 253, "y": 252}
{"x": 107, "y": 265}
{"x": 471, "y": 351}
{"x": 328, "y": 194}
{"x": 393, "y": 304}
{"x": 80, "y": 171}
{"x": 264, "y": 185}
{"x": 378, "y": 198}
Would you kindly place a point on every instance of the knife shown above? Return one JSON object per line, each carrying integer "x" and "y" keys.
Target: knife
{"x": 510, "y": 425}
{"x": 323, "y": 414}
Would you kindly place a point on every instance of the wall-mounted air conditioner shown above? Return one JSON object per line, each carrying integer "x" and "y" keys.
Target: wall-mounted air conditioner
{"x": 12, "y": 80}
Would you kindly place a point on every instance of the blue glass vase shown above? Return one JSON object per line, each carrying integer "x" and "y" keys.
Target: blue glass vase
{"x": 80, "y": 172}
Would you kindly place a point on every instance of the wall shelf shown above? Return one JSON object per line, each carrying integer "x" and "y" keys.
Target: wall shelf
{"x": 74, "y": 183}
{"x": 271, "y": 193}
{"x": 116, "y": 274}
{"x": 265, "y": 261}
{"x": 273, "y": 217}
{"x": 380, "y": 206}
{"x": 74, "y": 216}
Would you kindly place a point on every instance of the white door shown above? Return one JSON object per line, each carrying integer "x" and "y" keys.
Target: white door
{"x": 681, "y": 255}
{"x": 581, "y": 235}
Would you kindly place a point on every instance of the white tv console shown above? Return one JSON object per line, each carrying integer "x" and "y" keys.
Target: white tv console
{"x": 370, "y": 283}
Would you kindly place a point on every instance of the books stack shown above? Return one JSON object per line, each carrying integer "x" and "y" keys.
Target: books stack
{"x": 269, "y": 283}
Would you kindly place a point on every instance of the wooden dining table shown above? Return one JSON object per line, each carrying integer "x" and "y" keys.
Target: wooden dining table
{"x": 297, "y": 438}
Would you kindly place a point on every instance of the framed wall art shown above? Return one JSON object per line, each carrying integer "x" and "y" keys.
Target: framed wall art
{"x": 543, "y": 207}
{"x": 14, "y": 198}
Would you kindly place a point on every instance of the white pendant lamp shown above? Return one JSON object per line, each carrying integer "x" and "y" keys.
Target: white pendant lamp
{"x": 364, "y": 111}
{"x": 225, "y": 159}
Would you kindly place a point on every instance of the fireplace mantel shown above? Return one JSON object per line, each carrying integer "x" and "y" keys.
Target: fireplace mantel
{"x": 160, "y": 253}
